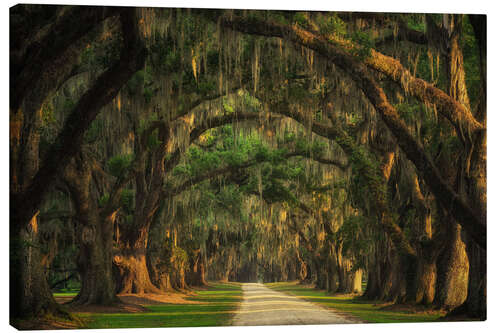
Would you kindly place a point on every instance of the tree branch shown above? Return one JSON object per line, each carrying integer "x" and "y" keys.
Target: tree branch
{"x": 460, "y": 117}
{"x": 41, "y": 56}
{"x": 70, "y": 139}
{"x": 463, "y": 213}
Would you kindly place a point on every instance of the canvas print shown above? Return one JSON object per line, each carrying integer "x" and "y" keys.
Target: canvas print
{"x": 178, "y": 167}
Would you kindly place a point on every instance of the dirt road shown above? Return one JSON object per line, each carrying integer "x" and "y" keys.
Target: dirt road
{"x": 263, "y": 306}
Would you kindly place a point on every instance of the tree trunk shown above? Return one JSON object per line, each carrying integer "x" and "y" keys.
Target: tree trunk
{"x": 94, "y": 260}
{"x": 333, "y": 281}
{"x": 30, "y": 294}
{"x": 321, "y": 273}
{"x": 374, "y": 283}
{"x": 475, "y": 303}
{"x": 95, "y": 264}
{"x": 357, "y": 281}
{"x": 197, "y": 270}
{"x": 476, "y": 298}
{"x": 159, "y": 273}
{"x": 425, "y": 280}
{"x": 393, "y": 278}
{"x": 178, "y": 278}
{"x": 376, "y": 274}
{"x": 349, "y": 279}
{"x": 302, "y": 269}
{"x": 475, "y": 173}
{"x": 453, "y": 271}
{"x": 424, "y": 289}
{"x": 130, "y": 260}
{"x": 227, "y": 271}
{"x": 133, "y": 272}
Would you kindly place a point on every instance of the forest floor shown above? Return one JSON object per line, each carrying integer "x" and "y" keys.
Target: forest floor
{"x": 263, "y": 306}
{"x": 353, "y": 307}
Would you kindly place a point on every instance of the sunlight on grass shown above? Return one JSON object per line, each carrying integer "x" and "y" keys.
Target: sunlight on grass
{"x": 219, "y": 304}
{"x": 66, "y": 293}
{"x": 364, "y": 310}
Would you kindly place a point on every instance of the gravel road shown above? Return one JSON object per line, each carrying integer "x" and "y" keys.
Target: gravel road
{"x": 263, "y": 306}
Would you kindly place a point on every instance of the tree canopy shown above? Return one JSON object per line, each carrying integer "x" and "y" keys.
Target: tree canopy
{"x": 152, "y": 149}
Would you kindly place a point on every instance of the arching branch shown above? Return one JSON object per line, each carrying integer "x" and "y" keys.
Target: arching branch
{"x": 37, "y": 61}
{"x": 69, "y": 140}
{"x": 359, "y": 72}
{"x": 229, "y": 169}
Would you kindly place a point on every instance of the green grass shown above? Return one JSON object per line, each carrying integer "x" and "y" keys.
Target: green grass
{"x": 65, "y": 294}
{"x": 364, "y": 310}
{"x": 218, "y": 306}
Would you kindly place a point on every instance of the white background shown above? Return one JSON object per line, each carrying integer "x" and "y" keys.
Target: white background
{"x": 427, "y": 6}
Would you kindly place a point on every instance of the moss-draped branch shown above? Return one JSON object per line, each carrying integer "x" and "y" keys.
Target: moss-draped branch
{"x": 359, "y": 72}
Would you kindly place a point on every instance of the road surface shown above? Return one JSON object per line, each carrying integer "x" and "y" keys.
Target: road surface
{"x": 263, "y": 306}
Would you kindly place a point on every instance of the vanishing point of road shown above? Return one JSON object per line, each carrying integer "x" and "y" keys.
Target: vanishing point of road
{"x": 263, "y": 306}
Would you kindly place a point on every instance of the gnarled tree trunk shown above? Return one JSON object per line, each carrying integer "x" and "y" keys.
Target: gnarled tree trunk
{"x": 131, "y": 265}
{"x": 95, "y": 239}
{"x": 475, "y": 303}
{"x": 133, "y": 273}
{"x": 453, "y": 271}
{"x": 95, "y": 264}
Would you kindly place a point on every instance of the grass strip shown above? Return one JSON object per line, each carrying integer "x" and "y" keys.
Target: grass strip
{"x": 367, "y": 311}
{"x": 219, "y": 305}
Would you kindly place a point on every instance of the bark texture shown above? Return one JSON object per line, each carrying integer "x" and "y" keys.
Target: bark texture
{"x": 453, "y": 271}
{"x": 133, "y": 273}
{"x": 95, "y": 232}
{"x": 30, "y": 294}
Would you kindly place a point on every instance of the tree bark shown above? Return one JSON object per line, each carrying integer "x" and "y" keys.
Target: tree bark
{"x": 475, "y": 303}
{"x": 95, "y": 232}
{"x": 30, "y": 294}
{"x": 95, "y": 264}
{"x": 133, "y": 272}
{"x": 130, "y": 260}
{"x": 373, "y": 283}
{"x": 426, "y": 280}
{"x": 196, "y": 276}
{"x": 349, "y": 278}
{"x": 321, "y": 273}
{"x": 452, "y": 270}
{"x": 426, "y": 270}
{"x": 476, "y": 297}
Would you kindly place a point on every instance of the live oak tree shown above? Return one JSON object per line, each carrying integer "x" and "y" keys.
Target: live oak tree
{"x": 252, "y": 145}
{"x": 45, "y": 47}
